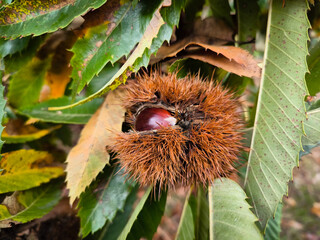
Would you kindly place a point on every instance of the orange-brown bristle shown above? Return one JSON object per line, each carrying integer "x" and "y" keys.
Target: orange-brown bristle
{"x": 145, "y": 157}
{"x": 202, "y": 146}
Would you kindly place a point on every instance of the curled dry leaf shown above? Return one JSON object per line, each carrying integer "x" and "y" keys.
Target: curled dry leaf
{"x": 18, "y": 131}
{"x": 12, "y": 204}
{"x": 230, "y": 65}
{"x": 232, "y": 59}
{"x": 89, "y": 156}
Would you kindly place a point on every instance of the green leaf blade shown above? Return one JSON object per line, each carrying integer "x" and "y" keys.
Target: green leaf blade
{"x": 186, "y": 229}
{"x": 9, "y": 47}
{"x": 37, "y": 202}
{"x": 125, "y": 36}
{"x": 145, "y": 218}
{"x": 26, "y": 164}
{"x": 77, "y": 115}
{"x": 9, "y": 139}
{"x": 171, "y": 16}
{"x": 274, "y": 225}
{"x": 230, "y": 214}
{"x": 112, "y": 230}
{"x": 96, "y": 207}
{"x": 88, "y": 46}
{"x": 280, "y": 110}
{"x": 247, "y": 14}
{"x": 13, "y": 63}
{"x": 2, "y": 112}
{"x": 26, "y": 84}
{"x": 311, "y": 127}
{"x": 31, "y": 17}
{"x": 126, "y": 230}
{"x": 152, "y": 36}
{"x": 202, "y": 215}
{"x": 221, "y": 9}
{"x": 313, "y": 79}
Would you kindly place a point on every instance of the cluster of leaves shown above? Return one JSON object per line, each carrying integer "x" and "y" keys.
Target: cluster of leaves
{"x": 59, "y": 58}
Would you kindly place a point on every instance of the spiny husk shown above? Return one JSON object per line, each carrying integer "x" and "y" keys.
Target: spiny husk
{"x": 202, "y": 146}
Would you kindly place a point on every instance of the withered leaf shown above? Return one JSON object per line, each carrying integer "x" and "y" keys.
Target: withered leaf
{"x": 232, "y": 59}
{"x": 221, "y": 35}
{"x": 248, "y": 70}
{"x": 17, "y": 132}
{"x": 89, "y": 156}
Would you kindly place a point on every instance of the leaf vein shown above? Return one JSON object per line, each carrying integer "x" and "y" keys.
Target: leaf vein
{"x": 290, "y": 77}
{"x": 281, "y": 13}
{"x": 289, "y": 56}
{"x": 291, "y": 40}
{"x": 265, "y": 176}
{"x": 271, "y": 151}
{"x": 257, "y": 182}
{"x": 238, "y": 228}
{"x": 271, "y": 114}
{"x": 283, "y": 111}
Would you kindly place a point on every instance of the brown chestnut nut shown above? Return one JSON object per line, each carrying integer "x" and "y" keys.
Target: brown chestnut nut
{"x": 154, "y": 118}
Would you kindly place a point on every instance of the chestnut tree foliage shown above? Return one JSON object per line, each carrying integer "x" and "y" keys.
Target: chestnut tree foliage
{"x": 61, "y": 63}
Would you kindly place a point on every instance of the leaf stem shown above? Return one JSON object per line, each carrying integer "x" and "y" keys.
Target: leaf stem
{"x": 211, "y": 215}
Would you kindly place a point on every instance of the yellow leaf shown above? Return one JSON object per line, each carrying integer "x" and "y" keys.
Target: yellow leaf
{"x": 89, "y": 156}
{"x": 24, "y": 169}
{"x": 56, "y": 82}
{"x": 17, "y": 132}
{"x": 58, "y": 76}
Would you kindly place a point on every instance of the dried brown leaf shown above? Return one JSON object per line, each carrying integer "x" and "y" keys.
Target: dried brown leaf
{"x": 230, "y": 65}
{"x": 221, "y": 35}
{"x": 89, "y": 156}
{"x": 232, "y": 59}
{"x": 17, "y": 132}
